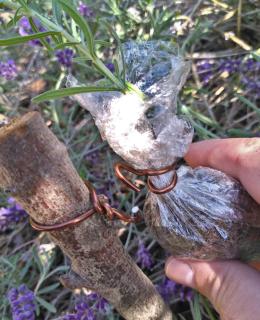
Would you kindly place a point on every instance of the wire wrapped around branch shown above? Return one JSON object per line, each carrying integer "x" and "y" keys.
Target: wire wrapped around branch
{"x": 100, "y": 205}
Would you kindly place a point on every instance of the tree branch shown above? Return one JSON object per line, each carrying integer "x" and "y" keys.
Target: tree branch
{"x": 36, "y": 169}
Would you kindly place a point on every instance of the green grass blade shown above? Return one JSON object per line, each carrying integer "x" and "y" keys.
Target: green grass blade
{"x": 82, "y": 23}
{"x": 208, "y": 308}
{"x": 36, "y": 30}
{"x": 117, "y": 71}
{"x": 61, "y": 93}
{"x": 239, "y": 133}
{"x": 103, "y": 43}
{"x": 249, "y": 103}
{"x": 19, "y": 40}
{"x": 15, "y": 19}
{"x": 49, "y": 288}
{"x": 22, "y": 3}
{"x": 56, "y": 10}
{"x": 195, "y": 308}
{"x": 114, "y": 34}
{"x": 50, "y": 307}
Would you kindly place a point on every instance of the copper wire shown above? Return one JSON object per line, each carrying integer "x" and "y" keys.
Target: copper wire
{"x": 119, "y": 166}
{"x": 100, "y": 205}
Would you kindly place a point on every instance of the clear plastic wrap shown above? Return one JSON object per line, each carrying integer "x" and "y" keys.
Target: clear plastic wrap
{"x": 208, "y": 215}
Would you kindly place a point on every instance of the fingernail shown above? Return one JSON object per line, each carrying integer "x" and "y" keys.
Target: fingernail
{"x": 179, "y": 271}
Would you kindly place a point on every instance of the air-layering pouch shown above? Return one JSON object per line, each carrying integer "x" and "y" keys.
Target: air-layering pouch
{"x": 208, "y": 214}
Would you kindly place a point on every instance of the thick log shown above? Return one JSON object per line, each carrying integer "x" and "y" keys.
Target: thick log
{"x": 36, "y": 169}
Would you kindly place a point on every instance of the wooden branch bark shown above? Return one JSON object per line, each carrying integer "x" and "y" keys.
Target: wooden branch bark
{"x": 36, "y": 169}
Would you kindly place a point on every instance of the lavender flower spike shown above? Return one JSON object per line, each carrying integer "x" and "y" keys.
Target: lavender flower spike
{"x": 82, "y": 312}
{"x": 100, "y": 304}
{"x": 230, "y": 65}
{"x": 168, "y": 289}
{"x": 205, "y": 70}
{"x": 8, "y": 70}
{"x": 25, "y": 29}
{"x": 11, "y": 215}
{"x": 65, "y": 57}
{"x": 143, "y": 256}
{"x": 85, "y": 10}
{"x": 110, "y": 66}
{"x": 22, "y": 303}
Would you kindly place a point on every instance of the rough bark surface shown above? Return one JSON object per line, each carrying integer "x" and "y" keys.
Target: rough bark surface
{"x": 36, "y": 169}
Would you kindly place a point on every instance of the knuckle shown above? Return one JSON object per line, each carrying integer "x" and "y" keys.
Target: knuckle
{"x": 239, "y": 154}
{"x": 246, "y": 153}
{"x": 216, "y": 284}
{"x": 237, "y": 159}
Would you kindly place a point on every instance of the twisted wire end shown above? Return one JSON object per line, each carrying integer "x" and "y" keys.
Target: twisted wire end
{"x": 100, "y": 205}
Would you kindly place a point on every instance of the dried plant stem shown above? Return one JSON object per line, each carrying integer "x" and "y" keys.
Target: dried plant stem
{"x": 239, "y": 11}
{"x": 36, "y": 169}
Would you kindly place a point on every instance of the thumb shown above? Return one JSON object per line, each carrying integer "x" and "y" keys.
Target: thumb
{"x": 232, "y": 287}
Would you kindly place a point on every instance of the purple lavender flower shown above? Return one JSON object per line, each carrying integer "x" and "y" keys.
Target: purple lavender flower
{"x": 185, "y": 293}
{"x": 8, "y": 70}
{"x": 205, "y": 70}
{"x": 143, "y": 256}
{"x": 22, "y": 303}
{"x": 100, "y": 303}
{"x": 85, "y": 10}
{"x": 12, "y": 214}
{"x": 86, "y": 308}
{"x": 248, "y": 83}
{"x": 252, "y": 85}
{"x": 82, "y": 312}
{"x": 69, "y": 316}
{"x": 250, "y": 65}
{"x": 65, "y": 57}
{"x": 247, "y": 71}
{"x": 230, "y": 65}
{"x": 110, "y": 66}
{"x": 25, "y": 29}
{"x": 168, "y": 288}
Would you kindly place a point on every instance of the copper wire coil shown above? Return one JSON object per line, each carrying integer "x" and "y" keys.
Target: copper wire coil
{"x": 100, "y": 202}
{"x": 100, "y": 205}
{"x": 146, "y": 172}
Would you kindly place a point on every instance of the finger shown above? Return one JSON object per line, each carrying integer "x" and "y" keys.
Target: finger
{"x": 237, "y": 157}
{"x": 230, "y": 286}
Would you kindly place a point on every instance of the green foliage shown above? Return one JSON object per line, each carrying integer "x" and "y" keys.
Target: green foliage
{"x": 82, "y": 23}
{"x": 221, "y": 109}
{"x": 36, "y": 271}
{"x": 19, "y": 40}
{"x": 61, "y": 93}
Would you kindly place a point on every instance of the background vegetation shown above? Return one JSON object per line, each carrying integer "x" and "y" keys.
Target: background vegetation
{"x": 221, "y": 98}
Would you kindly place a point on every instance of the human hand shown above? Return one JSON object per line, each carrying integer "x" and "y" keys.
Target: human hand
{"x": 231, "y": 286}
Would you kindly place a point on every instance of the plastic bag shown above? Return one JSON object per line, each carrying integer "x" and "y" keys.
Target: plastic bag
{"x": 208, "y": 215}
